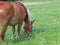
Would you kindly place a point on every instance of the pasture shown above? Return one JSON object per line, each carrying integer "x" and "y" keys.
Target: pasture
{"x": 46, "y": 29}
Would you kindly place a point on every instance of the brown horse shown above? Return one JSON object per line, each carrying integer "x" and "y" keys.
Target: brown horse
{"x": 14, "y": 13}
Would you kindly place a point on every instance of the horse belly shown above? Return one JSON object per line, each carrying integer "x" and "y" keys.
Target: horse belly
{"x": 15, "y": 20}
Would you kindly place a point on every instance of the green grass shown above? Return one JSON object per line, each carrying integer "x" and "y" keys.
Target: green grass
{"x": 47, "y": 26}
{"x": 39, "y": 0}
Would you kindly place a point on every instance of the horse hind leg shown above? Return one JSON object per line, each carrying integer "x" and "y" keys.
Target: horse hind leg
{"x": 4, "y": 28}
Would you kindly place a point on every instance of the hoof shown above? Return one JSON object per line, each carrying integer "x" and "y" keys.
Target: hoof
{"x": 17, "y": 37}
{"x": 12, "y": 38}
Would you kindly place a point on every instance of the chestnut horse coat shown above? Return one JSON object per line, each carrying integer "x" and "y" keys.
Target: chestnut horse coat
{"x": 12, "y": 13}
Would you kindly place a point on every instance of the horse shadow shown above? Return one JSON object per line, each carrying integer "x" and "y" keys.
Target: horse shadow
{"x": 23, "y": 37}
{"x": 39, "y": 30}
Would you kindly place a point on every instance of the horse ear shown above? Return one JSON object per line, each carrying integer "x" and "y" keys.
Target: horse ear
{"x": 32, "y": 21}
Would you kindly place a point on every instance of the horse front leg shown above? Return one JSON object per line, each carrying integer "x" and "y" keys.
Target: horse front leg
{"x": 4, "y": 28}
{"x": 13, "y": 31}
{"x": 18, "y": 31}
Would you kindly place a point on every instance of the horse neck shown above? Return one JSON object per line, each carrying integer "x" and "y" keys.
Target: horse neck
{"x": 27, "y": 20}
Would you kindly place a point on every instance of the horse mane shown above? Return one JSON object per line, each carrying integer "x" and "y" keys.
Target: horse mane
{"x": 28, "y": 15}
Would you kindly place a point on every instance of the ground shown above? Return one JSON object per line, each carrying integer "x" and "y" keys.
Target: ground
{"x": 46, "y": 29}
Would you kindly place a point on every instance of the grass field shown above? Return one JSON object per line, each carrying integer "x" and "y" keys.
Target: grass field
{"x": 39, "y": 0}
{"x": 47, "y": 26}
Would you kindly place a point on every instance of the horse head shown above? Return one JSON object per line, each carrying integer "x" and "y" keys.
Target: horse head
{"x": 28, "y": 28}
